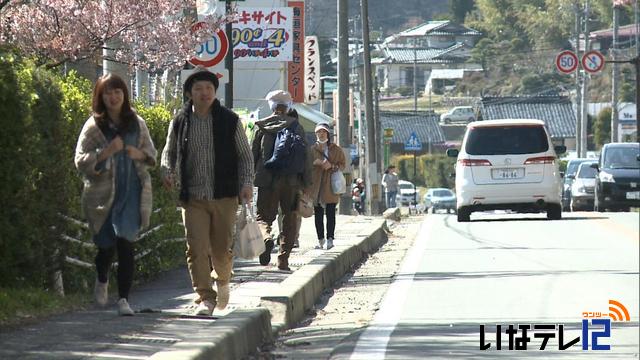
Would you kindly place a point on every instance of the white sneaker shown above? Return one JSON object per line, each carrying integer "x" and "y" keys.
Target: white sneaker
{"x": 123, "y": 308}
{"x": 223, "y": 296}
{"x": 100, "y": 292}
{"x": 320, "y": 244}
{"x": 205, "y": 308}
{"x": 329, "y": 243}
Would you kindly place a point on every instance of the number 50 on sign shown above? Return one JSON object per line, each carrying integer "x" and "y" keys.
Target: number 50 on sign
{"x": 567, "y": 62}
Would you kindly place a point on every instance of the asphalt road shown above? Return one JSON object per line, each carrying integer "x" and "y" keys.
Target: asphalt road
{"x": 509, "y": 269}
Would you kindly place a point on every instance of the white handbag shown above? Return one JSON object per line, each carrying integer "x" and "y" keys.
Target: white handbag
{"x": 249, "y": 243}
{"x": 338, "y": 183}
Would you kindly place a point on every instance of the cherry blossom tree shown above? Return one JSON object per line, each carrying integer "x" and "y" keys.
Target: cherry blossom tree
{"x": 148, "y": 34}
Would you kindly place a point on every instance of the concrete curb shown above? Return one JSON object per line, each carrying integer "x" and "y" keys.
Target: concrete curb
{"x": 230, "y": 337}
{"x": 242, "y": 331}
{"x": 295, "y": 295}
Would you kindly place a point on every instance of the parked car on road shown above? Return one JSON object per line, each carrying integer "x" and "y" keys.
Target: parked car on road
{"x": 439, "y": 199}
{"x": 583, "y": 186}
{"x": 507, "y": 165}
{"x": 406, "y": 193}
{"x": 458, "y": 114}
{"x": 618, "y": 181}
{"x": 569, "y": 175}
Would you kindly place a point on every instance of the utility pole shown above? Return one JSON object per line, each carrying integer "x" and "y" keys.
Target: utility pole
{"x": 585, "y": 86}
{"x": 228, "y": 61}
{"x": 373, "y": 191}
{"x": 415, "y": 74}
{"x": 578, "y": 82}
{"x": 636, "y": 16}
{"x": 614, "y": 75}
{"x": 344, "y": 139}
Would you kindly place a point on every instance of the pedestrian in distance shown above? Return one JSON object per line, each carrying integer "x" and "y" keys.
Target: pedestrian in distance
{"x": 390, "y": 183}
{"x": 358, "y": 195}
{"x": 113, "y": 153}
{"x": 208, "y": 160}
{"x": 328, "y": 158}
{"x": 283, "y": 169}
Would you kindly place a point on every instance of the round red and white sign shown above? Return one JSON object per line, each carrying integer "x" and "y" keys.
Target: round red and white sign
{"x": 593, "y": 61}
{"x": 567, "y": 61}
{"x": 213, "y": 51}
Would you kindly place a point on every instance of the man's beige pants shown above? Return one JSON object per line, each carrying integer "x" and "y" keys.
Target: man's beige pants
{"x": 209, "y": 227}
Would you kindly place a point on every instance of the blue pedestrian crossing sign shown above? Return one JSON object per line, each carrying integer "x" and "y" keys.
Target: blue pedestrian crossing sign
{"x": 412, "y": 143}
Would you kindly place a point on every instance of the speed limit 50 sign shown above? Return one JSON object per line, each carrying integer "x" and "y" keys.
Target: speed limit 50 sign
{"x": 567, "y": 61}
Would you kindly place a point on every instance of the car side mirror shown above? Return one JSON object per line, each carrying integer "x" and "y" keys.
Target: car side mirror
{"x": 595, "y": 166}
{"x": 561, "y": 174}
{"x": 571, "y": 176}
{"x": 560, "y": 149}
{"x": 453, "y": 153}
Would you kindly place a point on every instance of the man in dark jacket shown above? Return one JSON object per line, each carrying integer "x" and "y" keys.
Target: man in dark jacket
{"x": 279, "y": 188}
{"x": 208, "y": 158}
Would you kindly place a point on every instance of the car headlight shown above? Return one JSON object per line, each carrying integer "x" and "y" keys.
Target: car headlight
{"x": 606, "y": 177}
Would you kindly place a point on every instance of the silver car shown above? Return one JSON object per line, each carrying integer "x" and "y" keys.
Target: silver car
{"x": 440, "y": 199}
{"x": 583, "y": 186}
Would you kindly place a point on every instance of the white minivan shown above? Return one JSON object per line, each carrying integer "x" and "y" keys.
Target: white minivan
{"x": 507, "y": 165}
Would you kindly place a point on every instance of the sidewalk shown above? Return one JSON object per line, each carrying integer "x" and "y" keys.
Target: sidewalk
{"x": 263, "y": 300}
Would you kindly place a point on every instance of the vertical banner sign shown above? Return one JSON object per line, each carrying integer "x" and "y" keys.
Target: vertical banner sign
{"x": 311, "y": 70}
{"x": 296, "y": 65}
{"x": 263, "y": 34}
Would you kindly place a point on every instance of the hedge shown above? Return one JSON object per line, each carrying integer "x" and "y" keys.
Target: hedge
{"x": 41, "y": 226}
{"x": 431, "y": 170}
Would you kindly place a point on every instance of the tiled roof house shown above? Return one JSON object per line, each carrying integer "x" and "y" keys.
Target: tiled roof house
{"x": 432, "y": 45}
{"x": 424, "y": 124}
{"x": 556, "y": 111}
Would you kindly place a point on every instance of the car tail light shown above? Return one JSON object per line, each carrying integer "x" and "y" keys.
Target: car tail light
{"x": 540, "y": 160}
{"x": 474, "y": 162}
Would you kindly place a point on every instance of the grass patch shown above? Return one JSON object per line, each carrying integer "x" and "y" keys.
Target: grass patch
{"x": 18, "y": 306}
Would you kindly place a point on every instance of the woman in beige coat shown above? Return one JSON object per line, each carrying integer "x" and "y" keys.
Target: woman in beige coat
{"x": 113, "y": 153}
{"x": 327, "y": 159}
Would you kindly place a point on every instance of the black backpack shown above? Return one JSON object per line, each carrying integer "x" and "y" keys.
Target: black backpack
{"x": 289, "y": 152}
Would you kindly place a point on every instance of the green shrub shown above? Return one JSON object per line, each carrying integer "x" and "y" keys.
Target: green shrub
{"x": 42, "y": 115}
{"x": 431, "y": 170}
{"x": 602, "y": 128}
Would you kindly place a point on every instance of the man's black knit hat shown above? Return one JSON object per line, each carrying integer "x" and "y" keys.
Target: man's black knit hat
{"x": 200, "y": 75}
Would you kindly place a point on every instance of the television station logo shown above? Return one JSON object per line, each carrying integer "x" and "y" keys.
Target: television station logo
{"x": 595, "y": 330}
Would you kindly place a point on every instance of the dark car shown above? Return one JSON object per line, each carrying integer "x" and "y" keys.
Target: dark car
{"x": 569, "y": 175}
{"x": 618, "y": 180}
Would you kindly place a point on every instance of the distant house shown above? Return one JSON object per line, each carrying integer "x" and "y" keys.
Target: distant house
{"x": 556, "y": 111}
{"x": 432, "y": 45}
{"x": 602, "y": 40}
{"x": 424, "y": 124}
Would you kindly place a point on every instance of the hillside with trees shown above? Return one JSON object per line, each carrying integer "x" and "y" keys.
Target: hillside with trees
{"x": 519, "y": 44}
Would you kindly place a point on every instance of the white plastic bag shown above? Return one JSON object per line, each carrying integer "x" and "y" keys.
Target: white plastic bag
{"x": 338, "y": 183}
{"x": 250, "y": 242}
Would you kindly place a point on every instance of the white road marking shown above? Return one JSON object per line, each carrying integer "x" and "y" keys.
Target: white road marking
{"x": 372, "y": 343}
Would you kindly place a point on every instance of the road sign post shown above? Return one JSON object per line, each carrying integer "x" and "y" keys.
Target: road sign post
{"x": 592, "y": 61}
{"x": 415, "y": 145}
{"x": 567, "y": 61}
{"x": 213, "y": 51}
{"x": 388, "y": 135}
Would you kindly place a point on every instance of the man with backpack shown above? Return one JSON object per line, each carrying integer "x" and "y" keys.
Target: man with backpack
{"x": 283, "y": 169}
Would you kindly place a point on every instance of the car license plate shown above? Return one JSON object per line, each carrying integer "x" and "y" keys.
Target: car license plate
{"x": 507, "y": 173}
{"x": 633, "y": 195}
